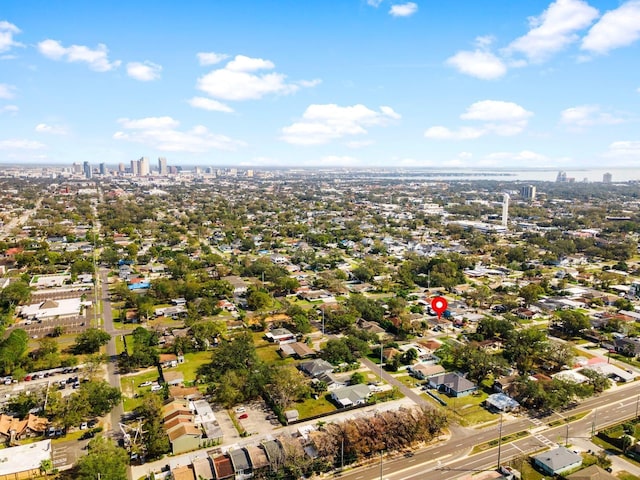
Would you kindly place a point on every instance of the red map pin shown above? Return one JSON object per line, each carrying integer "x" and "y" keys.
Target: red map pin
{"x": 439, "y": 305}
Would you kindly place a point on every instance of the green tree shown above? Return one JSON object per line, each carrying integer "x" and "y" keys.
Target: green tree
{"x": 14, "y": 294}
{"x": 573, "y": 321}
{"x": 155, "y": 437}
{"x": 91, "y": 340}
{"x": 104, "y": 460}
{"x": 357, "y": 378}
{"x": 531, "y": 293}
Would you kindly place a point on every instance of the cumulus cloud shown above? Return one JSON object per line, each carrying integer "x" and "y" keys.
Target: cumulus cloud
{"x": 209, "y": 104}
{"x": 403, "y": 9}
{"x": 497, "y": 117}
{"x": 21, "y": 144}
{"x": 97, "y": 59}
{"x": 527, "y": 157}
{"x": 144, "y": 71}
{"x": 617, "y": 28}
{"x": 161, "y": 133}
{"x": 478, "y": 63}
{"x": 7, "y": 92}
{"x": 211, "y": 58}
{"x": 242, "y": 79}
{"x": 7, "y": 31}
{"x": 52, "y": 129}
{"x": 587, "y": 116}
{"x": 624, "y": 149}
{"x": 374, "y": 3}
{"x": 324, "y": 123}
{"x": 554, "y": 29}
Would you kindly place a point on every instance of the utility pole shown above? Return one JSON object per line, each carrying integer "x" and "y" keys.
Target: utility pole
{"x": 566, "y": 439}
{"x": 381, "y": 454}
{"x": 637, "y": 400}
{"x": 593, "y": 424}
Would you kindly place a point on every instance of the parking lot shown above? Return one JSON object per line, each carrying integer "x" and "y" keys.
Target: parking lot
{"x": 259, "y": 418}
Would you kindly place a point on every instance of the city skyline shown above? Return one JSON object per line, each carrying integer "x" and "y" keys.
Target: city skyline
{"x": 364, "y": 83}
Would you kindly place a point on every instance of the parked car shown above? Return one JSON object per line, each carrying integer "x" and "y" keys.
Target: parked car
{"x": 84, "y": 426}
{"x": 27, "y": 378}
{"x": 241, "y": 410}
{"x": 243, "y": 416}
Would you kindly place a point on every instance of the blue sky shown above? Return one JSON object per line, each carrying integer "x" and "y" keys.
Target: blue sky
{"x": 351, "y": 83}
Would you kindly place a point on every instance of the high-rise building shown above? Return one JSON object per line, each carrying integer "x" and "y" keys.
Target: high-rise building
{"x": 562, "y": 176}
{"x": 143, "y": 170}
{"x": 528, "y": 192}
{"x": 250, "y": 173}
{"x": 135, "y": 167}
{"x": 162, "y": 166}
{"x": 86, "y": 168}
{"x": 505, "y": 209}
{"x": 77, "y": 168}
{"x": 103, "y": 169}
{"x": 606, "y": 178}
{"x": 121, "y": 167}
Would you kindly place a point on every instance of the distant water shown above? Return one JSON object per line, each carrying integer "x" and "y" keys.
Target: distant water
{"x": 588, "y": 175}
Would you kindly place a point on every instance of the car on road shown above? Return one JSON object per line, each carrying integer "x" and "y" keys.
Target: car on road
{"x": 84, "y": 426}
{"x": 241, "y": 410}
{"x": 27, "y": 378}
{"x": 243, "y": 416}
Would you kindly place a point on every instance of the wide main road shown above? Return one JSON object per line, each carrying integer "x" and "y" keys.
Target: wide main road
{"x": 453, "y": 459}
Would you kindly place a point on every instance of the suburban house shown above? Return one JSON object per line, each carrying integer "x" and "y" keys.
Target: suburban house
{"x": 274, "y": 453}
{"x": 501, "y": 403}
{"x": 241, "y": 464}
{"x": 12, "y": 429}
{"x": 183, "y": 473}
{"x": 239, "y": 285}
{"x": 453, "y": 384}
{"x": 317, "y": 367}
{"x": 223, "y": 467}
{"x": 627, "y": 346}
{"x": 257, "y": 457}
{"x": 557, "y": 461}
{"x": 203, "y": 468}
{"x": 351, "y": 395}
{"x": 280, "y": 335}
{"x": 173, "y": 377}
{"x": 297, "y": 349}
{"x": 423, "y": 371}
{"x": 594, "y": 472}
{"x": 179, "y": 424}
{"x": 168, "y": 360}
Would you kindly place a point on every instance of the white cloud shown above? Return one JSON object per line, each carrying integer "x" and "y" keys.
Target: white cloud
{"x": 498, "y": 117}
{"x": 309, "y": 83}
{"x": 525, "y": 156}
{"x": 338, "y": 161}
{"x": 463, "y": 133}
{"x": 145, "y": 71}
{"x": 97, "y": 59}
{"x": 9, "y": 109}
{"x": 496, "y": 110}
{"x": 239, "y": 80}
{"x": 588, "y": 115}
{"x": 242, "y": 63}
{"x": 624, "y": 149}
{"x": 403, "y": 9}
{"x": 21, "y": 144}
{"x": 211, "y": 58}
{"x": 374, "y": 3}
{"x": 554, "y": 29}
{"x": 52, "y": 129}
{"x": 478, "y": 63}
{"x": 617, "y": 28}
{"x": 324, "y": 123}
{"x": 209, "y": 104}
{"x": 7, "y": 31}
{"x": 7, "y": 91}
{"x": 161, "y": 133}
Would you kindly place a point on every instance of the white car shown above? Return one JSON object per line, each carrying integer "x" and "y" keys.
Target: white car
{"x": 241, "y": 410}
{"x": 84, "y": 426}
{"x": 146, "y": 384}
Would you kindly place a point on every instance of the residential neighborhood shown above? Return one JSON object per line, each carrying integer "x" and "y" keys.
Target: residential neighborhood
{"x": 233, "y": 327}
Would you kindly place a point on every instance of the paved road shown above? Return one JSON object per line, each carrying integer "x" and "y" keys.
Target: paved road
{"x": 113, "y": 377}
{"x": 453, "y": 459}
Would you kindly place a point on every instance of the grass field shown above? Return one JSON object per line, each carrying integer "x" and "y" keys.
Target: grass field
{"x": 311, "y": 407}
{"x": 192, "y": 362}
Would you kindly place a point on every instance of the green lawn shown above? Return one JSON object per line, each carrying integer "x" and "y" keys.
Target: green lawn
{"x": 119, "y": 345}
{"x": 192, "y": 362}
{"x": 468, "y": 410}
{"x": 407, "y": 379}
{"x": 311, "y": 407}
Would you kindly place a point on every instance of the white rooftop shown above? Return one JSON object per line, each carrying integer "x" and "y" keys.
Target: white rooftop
{"x": 24, "y": 457}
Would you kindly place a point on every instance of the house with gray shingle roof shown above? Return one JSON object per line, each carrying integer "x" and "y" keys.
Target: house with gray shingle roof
{"x": 452, "y": 384}
{"x": 351, "y": 395}
{"x": 557, "y": 461}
